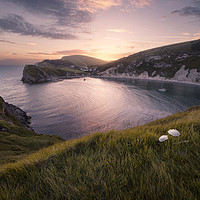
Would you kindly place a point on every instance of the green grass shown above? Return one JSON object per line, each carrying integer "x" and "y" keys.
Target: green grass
{"x": 173, "y": 50}
{"x": 16, "y": 141}
{"x": 84, "y": 61}
{"x": 43, "y": 73}
{"x": 128, "y": 164}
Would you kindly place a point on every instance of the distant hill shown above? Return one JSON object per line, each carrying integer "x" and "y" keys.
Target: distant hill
{"x": 180, "y": 62}
{"x": 84, "y": 61}
{"x": 67, "y": 67}
{"x": 177, "y": 62}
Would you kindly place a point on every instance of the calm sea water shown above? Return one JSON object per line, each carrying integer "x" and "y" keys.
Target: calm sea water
{"x": 73, "y": 108}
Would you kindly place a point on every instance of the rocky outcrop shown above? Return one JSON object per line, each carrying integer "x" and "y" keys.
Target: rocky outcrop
{"x": 67, "y": 67}
{"x": 23, "y": 118}
{"x": 47, "y": 72}
{"x": 13, "y": 114}
{"x": 34, "y": 74}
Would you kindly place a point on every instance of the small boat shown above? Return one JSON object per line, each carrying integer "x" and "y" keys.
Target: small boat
{"x": 162, "y": 89}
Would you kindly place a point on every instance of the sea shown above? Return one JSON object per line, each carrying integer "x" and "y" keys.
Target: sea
{"x": 73, "y": 108}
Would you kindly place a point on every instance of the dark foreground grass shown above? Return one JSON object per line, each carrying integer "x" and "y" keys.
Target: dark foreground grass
{"x": 129, "y": 164}
{"x": 16, "y": 142}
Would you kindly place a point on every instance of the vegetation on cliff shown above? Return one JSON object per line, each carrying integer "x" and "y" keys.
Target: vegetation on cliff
{"x": 84, "y": 61}
{"x": 68, "y": 66}
{"x": 38, "y": 74}
{"x": 16, "y": 141}
{"x": 162, "y": 62}
{"x": 177, "y": 62}
{"x": 128, "y": 164}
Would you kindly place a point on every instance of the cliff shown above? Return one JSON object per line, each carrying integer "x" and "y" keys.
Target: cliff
{"x": 17, "y": 138}
{"x": 67, "y": 67}
{"x": 180, "y": 62}
{"x": 49, "y": 70}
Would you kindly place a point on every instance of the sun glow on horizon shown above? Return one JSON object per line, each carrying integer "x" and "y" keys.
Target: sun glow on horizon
{"x": 106, "y": 29}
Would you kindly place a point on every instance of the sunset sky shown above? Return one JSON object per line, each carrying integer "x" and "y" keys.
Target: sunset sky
{"x": 33, "y": 30}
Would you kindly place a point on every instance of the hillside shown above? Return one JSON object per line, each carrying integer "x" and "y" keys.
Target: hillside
{"x": 48, "y": 71}
{"x": 67, "y": 67}
{"x": 84, "y": 61}
{"x": 129, "y": 164}
{"x": 179, "y": 62}
{"x": 17, "y": 138}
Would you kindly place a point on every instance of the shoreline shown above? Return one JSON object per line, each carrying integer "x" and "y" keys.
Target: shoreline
{"x": 61, "y": 78}
{"x": 149, "y": 79}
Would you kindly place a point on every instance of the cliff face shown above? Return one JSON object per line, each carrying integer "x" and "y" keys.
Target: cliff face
{"x": 14, "y": 115}
{"x": 179, "y": 62}
{"x": 47, "y": 72}
{"x": 17, "y": 138}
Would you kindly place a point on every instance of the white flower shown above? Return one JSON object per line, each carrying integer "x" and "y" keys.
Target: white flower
{"x": 163, "y": 138}
{"x": 174, "y": 132}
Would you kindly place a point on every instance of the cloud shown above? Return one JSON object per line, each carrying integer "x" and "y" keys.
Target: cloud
{"x": 140, "y": 3}
{"x": 119, "y": 31}
{"x": 111, "y": 38}
{"x": 7, "y": 41}
{"x": 76, "y": 9}
{"x": 186, "y": 34}
{"x": 65, "y": 12}
{"x": 94, "y": 5}
{"x": 17, "y": 62}
{"x": 197, "y": 36}
{"x": 66, "y": 52}
{"x": 69, "y": 17}
{"x": 31, "y": 44}
{"x": 192, "y": 10}
{"x": 17, "y": 24}
{"x": 41, "y": 53}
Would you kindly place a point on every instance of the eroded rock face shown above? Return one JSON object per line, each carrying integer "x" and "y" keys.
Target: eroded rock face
{"x": 182, "y": 67}
{"x": 45, "y": 72}
{"x": 8, "y": 111}
{"x": 190, "y": 75}
{"x": 180, "y": 62}
{"x": 24, "y": 119}
{"x": 33, "y": 74}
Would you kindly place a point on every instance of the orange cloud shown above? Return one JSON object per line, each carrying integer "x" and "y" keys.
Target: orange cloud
{"x": 196, "y": 36}
{"x": 141, "y": 3}
{"x": 94, "y": 5}
{"x": 31, "y": 44}
{"x": 119, "y": 31}
{"x": 66, "y": 53}
{"x": 185, "y": 34}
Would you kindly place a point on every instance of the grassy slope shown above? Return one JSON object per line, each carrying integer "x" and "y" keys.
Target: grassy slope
{"x": 83, "y": 61}
{"x": 17, "y": 142}
{"x": 174, "y": 49}
{"x": 37, "y": 71}
{"x": 129, "y": 164}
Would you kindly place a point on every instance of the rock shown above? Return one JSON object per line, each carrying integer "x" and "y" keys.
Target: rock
{"x": 3, "y": 130}
{"x": 19, "y": 114}
{"x": 172, "y": 62}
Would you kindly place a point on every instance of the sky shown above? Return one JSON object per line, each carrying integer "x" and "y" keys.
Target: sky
{"x": 34, "y": 30}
